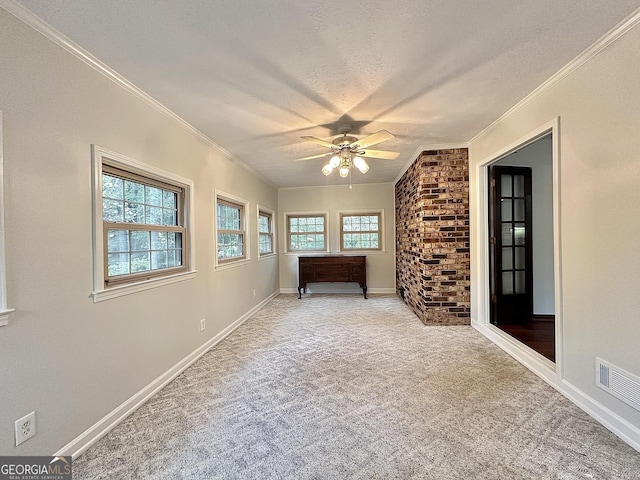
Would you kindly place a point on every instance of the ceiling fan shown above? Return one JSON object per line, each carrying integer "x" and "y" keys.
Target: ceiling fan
{"x": 348, "y": 151}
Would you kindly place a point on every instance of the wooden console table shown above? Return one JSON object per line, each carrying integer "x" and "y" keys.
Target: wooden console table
{"x": 332, "y": 269}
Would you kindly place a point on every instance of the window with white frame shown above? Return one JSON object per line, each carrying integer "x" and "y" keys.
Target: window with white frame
{"x": 306, "y": 232}
{"x": 141, "y": 218}
{"x": 265, "y": 232}
{"x": 231, "y": 238}
{"x": 143, "y": 226}
{"x": 361, "y": 231}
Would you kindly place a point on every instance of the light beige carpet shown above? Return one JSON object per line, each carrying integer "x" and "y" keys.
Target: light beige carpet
{"x": 338, "y": 387}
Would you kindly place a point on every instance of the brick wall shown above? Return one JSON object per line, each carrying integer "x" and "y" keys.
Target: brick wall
{"x": 432, "y": 237}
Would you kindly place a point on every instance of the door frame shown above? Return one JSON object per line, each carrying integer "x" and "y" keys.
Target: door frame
{"x": 533, "y": 360}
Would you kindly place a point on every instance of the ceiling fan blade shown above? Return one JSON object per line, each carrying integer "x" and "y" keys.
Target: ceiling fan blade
{"x": 374, "y": 138}
{"x": 380, "y": 154}
{"x": 319, "y": 141}
{"x": 313, "y": 156}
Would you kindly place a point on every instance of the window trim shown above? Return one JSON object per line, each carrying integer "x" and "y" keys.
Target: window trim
{"x": 287, "y": 247}
{"x": 236, "y": 201}
{"x": 102, "y": 156}
{"x": 381, "y": 230}
{"x": 4, "y": 309}
{"x": 272, "y": 223}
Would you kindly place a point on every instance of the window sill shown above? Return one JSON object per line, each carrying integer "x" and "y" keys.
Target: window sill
{"x": 339, "y": 252}
{"x": 361, "y": 252}
{"x": 4, "y": 316}
{"x": 302, "y": 253}
{"x": 265, "y": 256}
{"x": 228, "y": 265}
{"x": 119, "y": 291}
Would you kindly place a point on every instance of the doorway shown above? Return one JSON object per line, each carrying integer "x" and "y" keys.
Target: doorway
{"x": 521, "y": 246}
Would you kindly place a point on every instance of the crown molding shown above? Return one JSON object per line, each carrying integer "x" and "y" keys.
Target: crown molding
{"x": 40, "y": 26}
{"x": 603, "y": 42}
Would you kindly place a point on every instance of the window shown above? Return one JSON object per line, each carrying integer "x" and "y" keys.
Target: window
{"x": 143, "y": 226}
{"x": 231, "y": 238}
{"x": 361, "y": 231}
{"x": 306, "y": 232}
{"x": 141, "y": 220}
{"x": 265, "y": 232}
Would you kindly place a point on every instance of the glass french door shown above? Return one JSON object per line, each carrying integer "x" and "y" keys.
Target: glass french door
{"x": 511, "y": 245}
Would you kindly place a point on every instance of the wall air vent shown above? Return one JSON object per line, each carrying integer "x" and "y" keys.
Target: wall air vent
{"x": 619, "y": 383}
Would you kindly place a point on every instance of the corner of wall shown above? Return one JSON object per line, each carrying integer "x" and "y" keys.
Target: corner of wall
{"x": 432, "y": 237}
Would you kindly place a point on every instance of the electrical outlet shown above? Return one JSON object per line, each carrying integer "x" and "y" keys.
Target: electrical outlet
{"x": 25, "y": 428}
{"x": 202, "y": 325}
{"x": 254, "y": 294}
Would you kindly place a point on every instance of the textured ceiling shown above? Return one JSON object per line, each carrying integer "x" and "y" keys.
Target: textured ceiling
{"x": 254, "y": 76}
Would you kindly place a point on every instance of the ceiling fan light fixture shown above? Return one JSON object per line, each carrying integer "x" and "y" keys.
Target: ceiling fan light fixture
{"x": 360, "y": 164}
{"x": 347, "y": 152}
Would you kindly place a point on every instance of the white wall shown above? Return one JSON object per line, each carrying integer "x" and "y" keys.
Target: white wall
{"x": 333, "y": 199}
{"x": 537, "y": 155}
{"x": 598, "y": 106}
{"x": 72, "y": 360}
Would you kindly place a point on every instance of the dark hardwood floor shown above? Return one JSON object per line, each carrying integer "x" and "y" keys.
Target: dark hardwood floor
{"x": 536, "y": 334}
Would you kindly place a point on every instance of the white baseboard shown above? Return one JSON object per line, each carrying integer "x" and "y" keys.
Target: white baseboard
{"x": 381, "y": 291}
{"x": 611, "y": 420}
{"x": 545, "y": 369}
{"x": 81, "y": 443}
{"x": 541, "y": 366}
